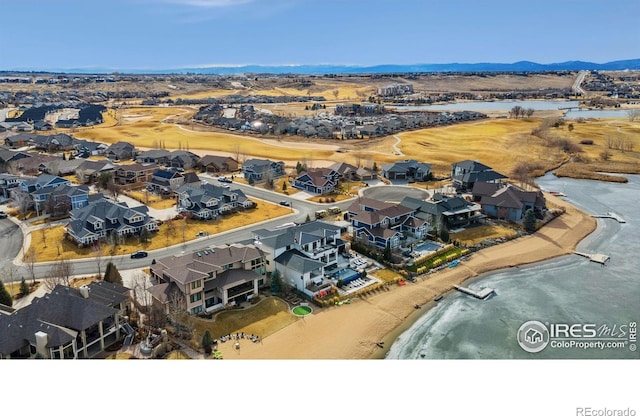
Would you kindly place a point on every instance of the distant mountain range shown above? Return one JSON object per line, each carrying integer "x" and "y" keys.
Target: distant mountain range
{"x": 521, "y": 66}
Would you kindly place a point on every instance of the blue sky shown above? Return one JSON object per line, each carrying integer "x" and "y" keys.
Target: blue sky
{"x": 163, "y": 34}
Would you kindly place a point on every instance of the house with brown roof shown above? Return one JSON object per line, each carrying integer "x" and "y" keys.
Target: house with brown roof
{"x": 133, "y": 176}
{"x": 209, "y": 279}
{"x": 218, "y": 164}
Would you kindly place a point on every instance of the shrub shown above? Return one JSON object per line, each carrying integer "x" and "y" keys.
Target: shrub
{"x": 586, "y": 142}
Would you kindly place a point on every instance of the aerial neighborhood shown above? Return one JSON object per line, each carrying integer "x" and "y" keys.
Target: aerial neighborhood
{"x": 147, "y": 224}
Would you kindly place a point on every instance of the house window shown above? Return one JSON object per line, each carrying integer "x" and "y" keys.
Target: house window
{"x": 195, "y": 297}
{"x": 228, "y": 266}
{"x": 196, "y": 284}
{"x": 197, "y": 309}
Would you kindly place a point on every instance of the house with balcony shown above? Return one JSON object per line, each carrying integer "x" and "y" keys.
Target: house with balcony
{"x": 60, "y": 200}
{"x": 259, "y": 169}
{"x": 102, "y": 218}
{"x": 444, "y": 211}
{"x": 467, "y": 172}
{"x": 383, "y": 227}
{"x": 67, "y": 323}
{"x": 301, "y": 253}
{"x": 206, "y": 201}
{"x": 134, "y": 176}
{"x": 209, "y": 279}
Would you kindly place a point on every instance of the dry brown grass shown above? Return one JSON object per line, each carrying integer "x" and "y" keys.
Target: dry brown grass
{"x": 51, "y": 245}
{"x": 475, "y": 235}
{"x": 387, "y": 275}
{"x": 263, "y": 319}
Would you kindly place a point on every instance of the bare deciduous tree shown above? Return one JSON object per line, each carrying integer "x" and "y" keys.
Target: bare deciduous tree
{"x": 30, "y": 262}
{"x": 98, "y": 252}
{"x": 633, "y": 114}
{"x": 59, "y": 274}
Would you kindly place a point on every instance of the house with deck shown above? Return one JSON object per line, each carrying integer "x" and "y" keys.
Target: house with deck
{"x": 467, "y": 172}
{"x": 445, "y": 211}
{"x": 67, "y": 323}
{"x": 209, "y": 279}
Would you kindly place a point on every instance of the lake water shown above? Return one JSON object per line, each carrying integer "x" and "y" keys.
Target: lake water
{"x": 502, "y": 105}
{"x": 570, "y": 290}
{"x": 573, "y": 114}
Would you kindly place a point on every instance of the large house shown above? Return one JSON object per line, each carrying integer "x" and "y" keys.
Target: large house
{"x": 218, "y": 164}
{"x": 120, "y": 151}
{"x": 507, "y": 201}
{"x": 61, "y": 199}
{"x": 407, "y": 169}
{"x": 442, "y": 211}
{"x": 67, "y": 323}
{"x": 134, "y": 176}
{"x": 102, "y": 218}
{"x": 301, "y": 253}
{"x": 207, "y": 201}
{"x": 383, "y": 224}
{"x": 467, "y": 172}
{"x": 165, "y": 181}
{"x": 43, "y": 181}
{"x": 259, "y": 169}
{"x": 209, "y": 279}
{"x": 317, "y": 181}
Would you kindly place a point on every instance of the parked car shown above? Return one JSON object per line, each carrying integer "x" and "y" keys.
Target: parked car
{"x": 285, "y": 203}
{"x": 3, "y": 214}
{"x": 139, "y": 255}
{"x": 224, "y": 179}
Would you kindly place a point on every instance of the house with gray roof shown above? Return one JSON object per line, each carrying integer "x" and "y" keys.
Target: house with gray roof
{"x": 102, "y": 218}
{"x": 467, "y": 172}
{"x": 165, "y": 181}
{"x": 407, "y": 169}
{"x": 60, "y": 200}
{"x": 120, "y": 151}
{"x": 507, "y": 201}
{"x": 317, "y": 181}
{"x": 155, "y": 156}
{"x": 259, "y": 169}
{"x": 67, "y": 323}
{"x": 444, "y": 211}
{"x": 206, "y": 201}
{"x": 384, "y": 226}
{"x": 209, "y": 279}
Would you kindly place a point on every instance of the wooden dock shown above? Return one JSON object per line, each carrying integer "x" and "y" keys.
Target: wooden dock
{"x": 611, "y": 215}
{"x": 483, "y": 293}
{"x": 595, "y": 257}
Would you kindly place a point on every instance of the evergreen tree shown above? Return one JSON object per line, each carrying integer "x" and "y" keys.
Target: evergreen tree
{"x": 276, "y": 282}
{"x": 112, "y": 274}
{"x": 5, "y": 297}
{"x": 444, "y": 235}
{"x": 24, "y": 288}
{"x": 529, "y": 221}
{"x": 207, "y": 340}
{"x": 284, "y": 186}
{"x": 251, "y": 180}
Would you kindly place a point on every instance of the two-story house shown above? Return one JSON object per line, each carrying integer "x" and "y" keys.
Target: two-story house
{"x": 165, "y": 181}
{"x": 67, "y": 323}
{"x": 317, "y": 181}
{"x": 207, "y": 201}
{"x": 259, "y": 169}
{"x": 467, "y": 172}
{"x": 120, "y": 151}
{"x": 209, "y": 279}
{"x": 218, "y": 164}
{"x": 301, "y": 253}
{"x": 133, "y": 176}
{"x": 444, "y": 211}
{"x": 61, "y": 199}
{"x": 507, "y": 201}
{"x": 383, "y": 227}
{"x": 102, "y": 218}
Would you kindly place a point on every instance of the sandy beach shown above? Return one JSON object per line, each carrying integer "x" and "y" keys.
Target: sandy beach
{"x": 352, "y": 331}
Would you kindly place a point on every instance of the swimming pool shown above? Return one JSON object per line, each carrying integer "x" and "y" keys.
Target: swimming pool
{"x": 346, "y": 275}
{"x": 427, "y": 246}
